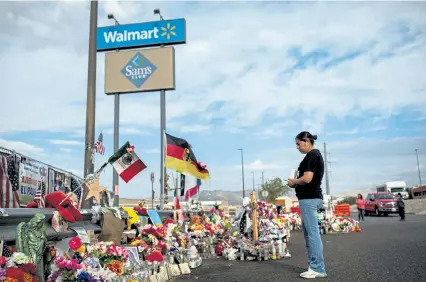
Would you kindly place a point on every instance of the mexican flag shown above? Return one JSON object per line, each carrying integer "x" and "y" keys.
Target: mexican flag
{"x": 126, "y": 162}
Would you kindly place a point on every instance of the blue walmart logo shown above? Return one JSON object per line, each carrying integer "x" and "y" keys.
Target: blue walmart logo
{"x": 138, "y": 70}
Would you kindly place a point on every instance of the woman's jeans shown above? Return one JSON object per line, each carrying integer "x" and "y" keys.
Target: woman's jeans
{"x": 308, "y": 210}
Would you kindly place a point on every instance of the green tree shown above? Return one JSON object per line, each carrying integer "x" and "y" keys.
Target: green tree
{"x": 275, "y": 187}
{"x": 348, "y": 200}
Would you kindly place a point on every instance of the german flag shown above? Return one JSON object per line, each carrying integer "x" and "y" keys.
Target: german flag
{"x": 179, "y": 156}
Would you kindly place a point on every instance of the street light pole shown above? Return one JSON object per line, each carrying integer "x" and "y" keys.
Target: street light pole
{"x": 253, "y": 179}
{"x": 91, "y": 99}
{"x": 242, "y": 170}
{"x": 418, "y": 167}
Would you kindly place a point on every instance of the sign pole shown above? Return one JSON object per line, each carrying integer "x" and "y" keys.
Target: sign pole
{"x": 116, "y": 139}
{"x": 91, "y": 99}
{"x": 163, "y": 145}
{"x": 116, "y": 144}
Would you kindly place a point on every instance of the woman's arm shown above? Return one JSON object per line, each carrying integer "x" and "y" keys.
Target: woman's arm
{"x": 306, "y": 178}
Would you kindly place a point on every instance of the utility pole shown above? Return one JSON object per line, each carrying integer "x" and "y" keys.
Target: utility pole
{"x": 91, "y": 99}
{"x": 327, "y": 181}
{"x": 263, "y": 180}
{"x": 418, "y": 167}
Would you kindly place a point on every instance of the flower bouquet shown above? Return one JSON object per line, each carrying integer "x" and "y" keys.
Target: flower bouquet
{"x": 110, "y": 256}
{"x": 64, "y": 269}
{"x": 18, "y": 268}
{"x": 157, "y": 231}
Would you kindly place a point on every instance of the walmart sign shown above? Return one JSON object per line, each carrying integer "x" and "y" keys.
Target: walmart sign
{"x": 166, "y": 32}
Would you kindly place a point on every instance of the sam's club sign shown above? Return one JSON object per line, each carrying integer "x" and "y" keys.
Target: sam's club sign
{"x": 166, "y": 32}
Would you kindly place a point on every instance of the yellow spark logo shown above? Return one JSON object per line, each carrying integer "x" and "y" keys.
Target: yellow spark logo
{"x": 168, "y": 31}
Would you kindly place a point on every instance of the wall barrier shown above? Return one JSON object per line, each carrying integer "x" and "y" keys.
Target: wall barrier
{"x": 9, "y": 222}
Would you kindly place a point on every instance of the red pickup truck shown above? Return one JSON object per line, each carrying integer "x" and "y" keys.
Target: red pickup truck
{"x": 380, "y": 203}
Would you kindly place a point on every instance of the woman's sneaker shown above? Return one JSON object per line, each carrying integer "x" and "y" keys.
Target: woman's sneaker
{"x": 310, "y": 274}
{"x": 306, "y": 272}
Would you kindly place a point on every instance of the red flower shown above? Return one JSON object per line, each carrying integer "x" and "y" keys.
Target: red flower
{"x": 75, "y": 243}
{"x": 29, "y": 268}
{"x": 168, "y": 221}
{"x": 2, "y": 261}
{"x": 16, "y": 273}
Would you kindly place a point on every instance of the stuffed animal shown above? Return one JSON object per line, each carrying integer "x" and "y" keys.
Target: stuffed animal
{"x": 63, "y": 204}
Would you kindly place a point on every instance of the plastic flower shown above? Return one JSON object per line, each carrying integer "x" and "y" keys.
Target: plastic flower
{"x": 81, "y": 250}
{"x": 29, "y": 268}
{"x": 2, "y": 274}
{"x": 75, "y": 243}
{"x": 20, "y": 258}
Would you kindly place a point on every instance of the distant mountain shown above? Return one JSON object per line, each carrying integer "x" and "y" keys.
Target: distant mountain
{"x": 232, "y": 197}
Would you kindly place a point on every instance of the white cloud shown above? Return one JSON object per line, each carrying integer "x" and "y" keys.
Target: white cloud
{"x": 259, "y": 165}
{"x": 128, "y": 131}
{"x": 65, "y": 142}
{"x": 21, "y": 147}
{"x": 65, "y": 150}
{"x": 194, "y": 128}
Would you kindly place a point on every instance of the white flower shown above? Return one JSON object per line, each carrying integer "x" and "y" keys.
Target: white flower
{"x": 20, "y": 258}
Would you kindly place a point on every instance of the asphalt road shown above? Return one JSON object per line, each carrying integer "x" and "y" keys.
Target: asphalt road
{"x": 386, "y": 250}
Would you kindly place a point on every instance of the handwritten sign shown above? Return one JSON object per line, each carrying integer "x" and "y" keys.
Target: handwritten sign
{"x": 82, "y": 234}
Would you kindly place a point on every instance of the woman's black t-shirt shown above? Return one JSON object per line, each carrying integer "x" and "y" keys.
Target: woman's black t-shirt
{"x": 312, "y": 162}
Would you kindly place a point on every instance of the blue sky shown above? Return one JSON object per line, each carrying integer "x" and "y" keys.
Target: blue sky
{"x": 252, "y": 75}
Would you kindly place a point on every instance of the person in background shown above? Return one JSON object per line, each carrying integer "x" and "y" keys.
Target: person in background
{"x": 360, "y": 204}
{"x": 401, "y": 206}
{"x": 309, "y": 193}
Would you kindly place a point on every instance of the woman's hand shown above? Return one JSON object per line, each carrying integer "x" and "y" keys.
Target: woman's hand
{"x": 291, "y": 182}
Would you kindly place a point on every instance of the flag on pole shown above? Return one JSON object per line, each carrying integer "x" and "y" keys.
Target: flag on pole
{"x": 39, "y": 196}
{"x": 180, "y": 157}
{"x": 9, "y": 197}
{"x": 193, "y": 191}
{"x": 182, "y": 184}
{"x": 99, "y": 145}
{"x": 76, "y": 188}
{"x": 176, "y": 203}
{"x": 126, "y": 163}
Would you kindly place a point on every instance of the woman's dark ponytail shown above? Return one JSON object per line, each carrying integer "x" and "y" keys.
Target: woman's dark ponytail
{"x": 306, "y": 135}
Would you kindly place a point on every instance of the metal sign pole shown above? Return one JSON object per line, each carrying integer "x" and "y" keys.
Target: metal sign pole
{"x": 116, "y": 136}
{"x": 163, "y": 145}
{"x": 116, "y": 144}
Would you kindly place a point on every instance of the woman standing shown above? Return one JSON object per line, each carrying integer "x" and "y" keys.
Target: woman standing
{"x": 309, "y": 193}
{"x": 360, "y": 204}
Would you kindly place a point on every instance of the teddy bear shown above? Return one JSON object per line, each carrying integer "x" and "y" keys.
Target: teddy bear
{"x": 63, "y": 204}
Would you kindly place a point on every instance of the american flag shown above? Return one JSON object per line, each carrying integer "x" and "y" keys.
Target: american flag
{"x": 99, "y": 145}
{"x": 76, "y": 189}
{"x": 39, "y": 196}
{"x": 9, "y": 197}
{"x": 6, "y": 251}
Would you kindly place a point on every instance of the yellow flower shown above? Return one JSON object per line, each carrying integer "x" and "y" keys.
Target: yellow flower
{"x": 81, "y": 250}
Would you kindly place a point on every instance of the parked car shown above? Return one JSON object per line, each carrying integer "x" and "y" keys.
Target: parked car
{"x": 380, "y": 203}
